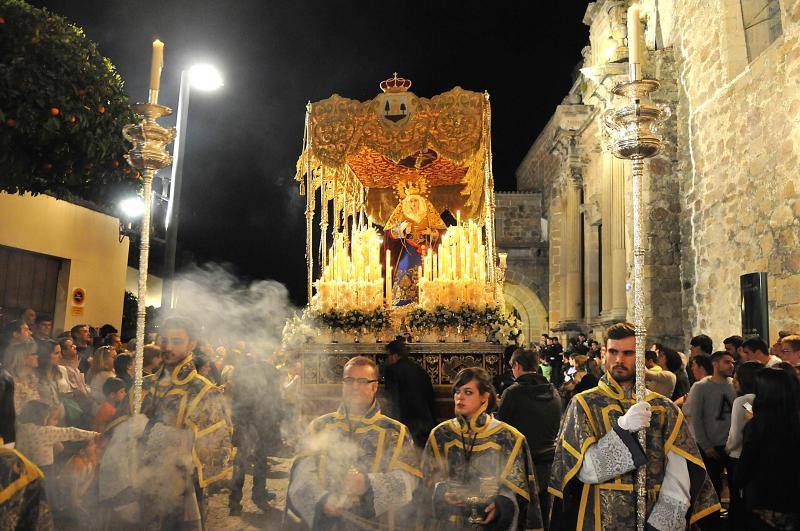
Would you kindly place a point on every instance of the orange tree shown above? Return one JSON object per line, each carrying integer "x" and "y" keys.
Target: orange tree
{"x": 62, "y": 108}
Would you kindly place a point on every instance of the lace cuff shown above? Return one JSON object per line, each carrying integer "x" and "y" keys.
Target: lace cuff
{"x": 609, "y": 458}
{"x": 393, "y": 489}
{"x": 668, "y": 514}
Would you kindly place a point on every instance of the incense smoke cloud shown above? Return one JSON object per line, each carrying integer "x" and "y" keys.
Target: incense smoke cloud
{"x": 229, "y": 310}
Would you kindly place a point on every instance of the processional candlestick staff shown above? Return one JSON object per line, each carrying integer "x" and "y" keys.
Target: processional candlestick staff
{"x": 147, "y": 155}
{"x": 633, "y": 128}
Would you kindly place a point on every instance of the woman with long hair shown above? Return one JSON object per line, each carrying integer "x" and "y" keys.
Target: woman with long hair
{"x": 768, "y": 473}
{"x": 22, "y": 362}
{"x": 101, "y": 370}
{"x": 477, "y": 469}
{"x": 48, "y": 353}
{"x": 745, "y": 382}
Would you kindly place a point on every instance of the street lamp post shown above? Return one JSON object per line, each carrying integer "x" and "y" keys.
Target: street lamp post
{"x": 202, "y": 77}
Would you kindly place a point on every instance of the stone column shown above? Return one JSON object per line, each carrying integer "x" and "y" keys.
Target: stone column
{"x": 606, "y": 206}
{"x": 619, "y": 266}
{"x": 572, "y": 225}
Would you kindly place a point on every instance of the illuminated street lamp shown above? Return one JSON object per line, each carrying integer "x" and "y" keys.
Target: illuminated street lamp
{"x": 130, "y": 209}
{"x": 206, "y": 78}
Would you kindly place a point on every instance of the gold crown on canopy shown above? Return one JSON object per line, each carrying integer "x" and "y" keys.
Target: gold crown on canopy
{"x": 416, "y": 187}
{"x": 395, "y": 84}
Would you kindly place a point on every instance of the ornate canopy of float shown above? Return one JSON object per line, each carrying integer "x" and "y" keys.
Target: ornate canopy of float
{"x": 399, "y": 201}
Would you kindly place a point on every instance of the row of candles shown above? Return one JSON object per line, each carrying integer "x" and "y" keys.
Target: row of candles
{"x": 352, "y": 278}
{"x": 453, "y": 274}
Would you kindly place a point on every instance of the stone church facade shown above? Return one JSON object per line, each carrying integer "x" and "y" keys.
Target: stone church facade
{"x": 722, "y": 199}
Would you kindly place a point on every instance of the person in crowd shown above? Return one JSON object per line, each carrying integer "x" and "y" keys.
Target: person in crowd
{"x": 358, "y": 467}
{"x": 555, "y": 358}
{"x": 768, "y": 474}
{"x": 14, "y": 333}
{"x": 500, "y": 382}
{"x": 79, "y": 391}
{"x": 151, "y": 359}
{"x": 733, "y": 346}
{"x": 756, "y": 349}
{"x": 776, "y": 348}
{"x": 579, "y": 379}
{"x": 744, "y": 380}
{"x": 409, "y": 392}
{"x": 114, "y": 390}
{"x": 8, "y": 415}
{"x": 711, "y": 405}
{"x": 533, "y": 406}
{"x": 123, "y": 368}
{"x": 107, "y": 329}
{"x": 186, "y": 412}
{"x": 700, "y": 345}
{"x": 113, "y": 341}
{"x": 49, "y": 376}
{"x": 256, "y": 424}
{"x": 83, "y": 343}
{"x": 594, "y": 349}
{"x": 700, "y": 369}
{"x": 450, "y": 477}
{"x": 790, "y": 350}
{"x": 582, "y": 340}
{"x": 43, "y": 328}
{"x": 101, "y": 370}
{"x": 597, "y": 446}
{"x": 22, "y": 363}
{"x": 669, "y": 360}
{"x": 658, "y": 378}
{"x": 38, "y": 435}
{"x": 28, "y": 316}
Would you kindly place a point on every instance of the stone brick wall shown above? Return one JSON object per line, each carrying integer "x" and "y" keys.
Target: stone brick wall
{"x": 738, "y": 138}
{"x": 518, "y": 232}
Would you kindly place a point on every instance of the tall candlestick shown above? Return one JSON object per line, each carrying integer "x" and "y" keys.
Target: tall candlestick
{"x": 156, "y": 65}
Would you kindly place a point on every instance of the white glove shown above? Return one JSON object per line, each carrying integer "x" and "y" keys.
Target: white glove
{"x": 637, "y": 417}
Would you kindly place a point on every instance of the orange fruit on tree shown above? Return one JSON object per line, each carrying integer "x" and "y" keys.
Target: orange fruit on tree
{"x": 101, "y": 109}
{"x": 54, "y": 111}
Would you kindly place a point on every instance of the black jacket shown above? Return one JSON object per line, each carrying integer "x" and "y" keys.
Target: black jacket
{"x": 532, "y": 405}
{"x": 411, "y": 398}
{"x": 7, "y": 412}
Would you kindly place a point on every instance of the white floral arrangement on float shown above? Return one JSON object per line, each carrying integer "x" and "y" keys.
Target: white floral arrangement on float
{"x": 299, "y": 329}
{"x": 507, "y": 330}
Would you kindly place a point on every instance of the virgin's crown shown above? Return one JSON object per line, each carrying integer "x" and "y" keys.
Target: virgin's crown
{"x": 395, "y": 84}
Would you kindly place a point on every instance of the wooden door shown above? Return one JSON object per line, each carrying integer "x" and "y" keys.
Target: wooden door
{"x": 27, "y": 280}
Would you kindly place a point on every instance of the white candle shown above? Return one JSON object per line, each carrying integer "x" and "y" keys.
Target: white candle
{"x": 156, "y": 64}
{"x": 634, "y": 34}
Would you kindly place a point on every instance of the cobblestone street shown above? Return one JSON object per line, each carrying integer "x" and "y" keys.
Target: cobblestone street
{"x": 252, "y": 517}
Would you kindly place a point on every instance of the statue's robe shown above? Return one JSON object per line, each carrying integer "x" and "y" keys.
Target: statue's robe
{"x": 499, "y": 452}
{"x": 610, "y": 504}
{"x": 375, "y": 445}
{"x": 406, "y": 249}
{"x": 23, "y": 504}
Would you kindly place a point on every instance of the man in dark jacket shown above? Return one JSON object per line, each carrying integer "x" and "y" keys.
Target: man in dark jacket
{"x": 555, "y": 358}
{"x": 410, "y": 393}
{"x": 532, "y": 405}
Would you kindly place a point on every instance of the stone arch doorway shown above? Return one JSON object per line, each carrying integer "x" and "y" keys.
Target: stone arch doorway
{"x": 524, "y": 301}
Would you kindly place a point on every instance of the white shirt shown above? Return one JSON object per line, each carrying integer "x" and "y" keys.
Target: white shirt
{"x": 738, "y": 419}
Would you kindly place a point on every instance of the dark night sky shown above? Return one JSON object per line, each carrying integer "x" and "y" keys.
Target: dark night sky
{"x": 240, "y": 204}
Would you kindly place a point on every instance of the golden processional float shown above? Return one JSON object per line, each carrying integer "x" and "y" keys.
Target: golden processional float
{"x": 400, "y": 234}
